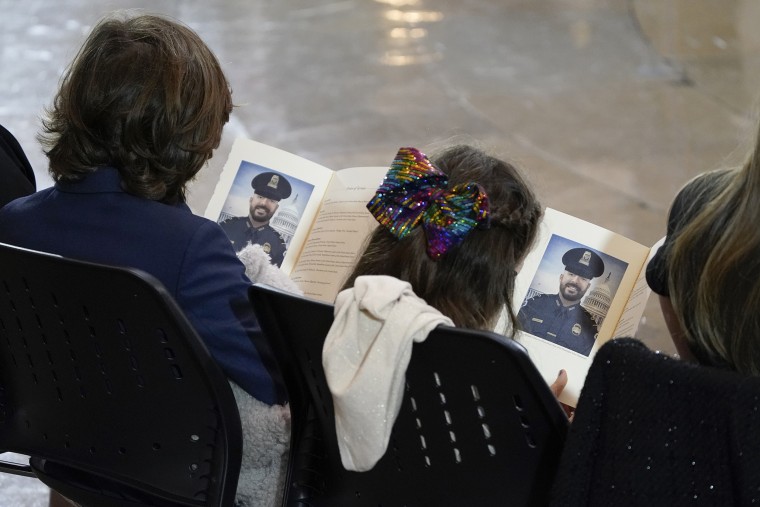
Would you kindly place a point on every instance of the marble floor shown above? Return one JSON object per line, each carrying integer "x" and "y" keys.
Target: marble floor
{"x": 610, "y": 105}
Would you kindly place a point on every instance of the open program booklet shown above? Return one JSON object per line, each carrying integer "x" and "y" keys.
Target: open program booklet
{"x": 312, "y": 202}
{"x": 322, "y": 220}
{"x": 580, "y": 286}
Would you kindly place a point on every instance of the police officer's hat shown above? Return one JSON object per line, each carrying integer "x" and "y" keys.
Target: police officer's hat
{"x": 271, "y": 185}
{"x": 583, "y": 262}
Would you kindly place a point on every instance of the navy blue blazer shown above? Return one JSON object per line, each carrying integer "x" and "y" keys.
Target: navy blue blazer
{"x": 95, "y": 220}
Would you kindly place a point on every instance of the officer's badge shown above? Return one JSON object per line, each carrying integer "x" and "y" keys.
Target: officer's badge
{"x": 274, "y": 181}
{"x": 585, "y": 258}
{"x": 268, "y": 248}
{"x": 576, "y": 329}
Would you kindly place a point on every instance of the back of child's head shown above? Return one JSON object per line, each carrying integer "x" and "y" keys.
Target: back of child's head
{"x": 472, "y": 279}
{"x": 144, "y": 95}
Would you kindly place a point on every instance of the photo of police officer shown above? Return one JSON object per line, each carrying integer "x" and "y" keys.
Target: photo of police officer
{"x": 269, "y": 188}
{"x": 560, "y": 318}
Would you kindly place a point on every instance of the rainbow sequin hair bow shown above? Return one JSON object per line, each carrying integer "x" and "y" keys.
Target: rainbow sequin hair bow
{"x": 415, "y": 192}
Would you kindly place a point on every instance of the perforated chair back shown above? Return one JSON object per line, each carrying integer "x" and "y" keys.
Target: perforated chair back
{"x": 109, "y": 390}
{"x": 478, "y": 425}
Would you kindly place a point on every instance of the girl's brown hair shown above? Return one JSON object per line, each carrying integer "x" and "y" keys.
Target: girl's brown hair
{"x": 473, "y": 281}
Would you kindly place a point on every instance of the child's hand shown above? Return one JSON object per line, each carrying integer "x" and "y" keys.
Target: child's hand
{"x": 557, "y": 387}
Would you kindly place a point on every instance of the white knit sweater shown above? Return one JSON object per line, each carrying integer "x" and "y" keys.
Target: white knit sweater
{"x": 365, "y": 357}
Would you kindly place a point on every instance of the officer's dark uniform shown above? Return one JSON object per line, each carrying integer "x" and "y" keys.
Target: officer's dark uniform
{"x": 569, "y": 326}
{"x": 241, "y": 233}
{"x": 240, "y": 230}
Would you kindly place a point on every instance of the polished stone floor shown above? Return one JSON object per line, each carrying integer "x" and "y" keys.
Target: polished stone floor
{"x": 610, "y": 105}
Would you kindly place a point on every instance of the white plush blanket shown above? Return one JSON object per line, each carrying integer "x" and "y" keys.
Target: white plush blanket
{"x": 266, "y": 429}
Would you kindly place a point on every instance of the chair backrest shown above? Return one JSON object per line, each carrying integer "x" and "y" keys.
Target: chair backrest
{"x": 109, "y": 390}
{"x": 478, "y": 425}
{"x": 653, "y": 430}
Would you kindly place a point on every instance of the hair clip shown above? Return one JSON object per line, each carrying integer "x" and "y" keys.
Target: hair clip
{"x": 415, "y": 192}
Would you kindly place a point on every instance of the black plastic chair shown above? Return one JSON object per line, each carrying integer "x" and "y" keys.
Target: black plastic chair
{"x": 108, "y": 389}
{"x": 478, "y": 425}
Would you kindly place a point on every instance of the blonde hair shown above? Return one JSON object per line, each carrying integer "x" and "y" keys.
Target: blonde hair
{"x": 714, "y": 268}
